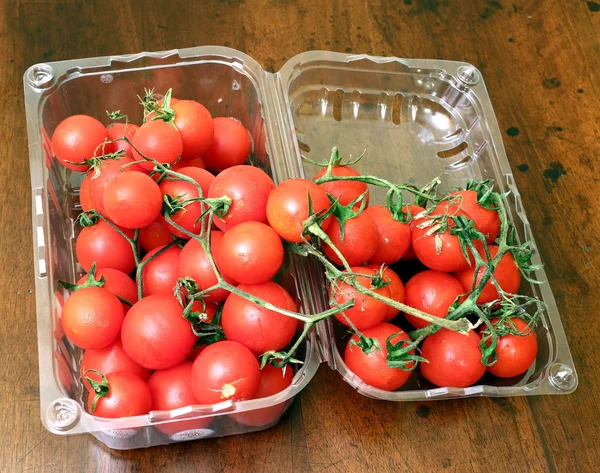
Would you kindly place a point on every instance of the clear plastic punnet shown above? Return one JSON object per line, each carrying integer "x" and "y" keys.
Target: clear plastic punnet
{"x": 416, "y": 119}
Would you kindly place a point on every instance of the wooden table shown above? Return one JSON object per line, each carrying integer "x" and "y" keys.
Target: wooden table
{"x": 540, "y": 61}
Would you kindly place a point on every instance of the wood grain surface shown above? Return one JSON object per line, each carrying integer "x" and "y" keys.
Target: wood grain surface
{"x": 541, "y": 63}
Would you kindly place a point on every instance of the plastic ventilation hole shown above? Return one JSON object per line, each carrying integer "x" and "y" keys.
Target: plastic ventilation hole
{"x": 62, "y": 414}
{"x": 562, "y": 377}
{"x": 40, "y": 76}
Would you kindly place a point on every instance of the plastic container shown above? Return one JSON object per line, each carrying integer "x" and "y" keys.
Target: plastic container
{"x": 416, "y": 119}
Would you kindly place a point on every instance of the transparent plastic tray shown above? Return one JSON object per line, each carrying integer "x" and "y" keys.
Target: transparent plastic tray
{"x": 416, "y": 118}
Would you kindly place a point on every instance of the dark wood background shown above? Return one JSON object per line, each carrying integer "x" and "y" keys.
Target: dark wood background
{"x": 541, "y": 63}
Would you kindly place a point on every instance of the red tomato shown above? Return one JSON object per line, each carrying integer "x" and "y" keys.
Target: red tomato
{"x": 116, "y": 282}
{"x": 225, "y": 370}
{"x": 85, "y": 199}
{"x": 506, "y": 273}
{"x": 287, "y": 207}
{"x": 154, "y": 333}
{"x": 76, "y": 139}
{"x": 230, "y": 146}
{"x": 128, "y": 396}
{"x": 272, "y": 381}
{"x": 195, "y": 126}
{"x": 111, "y": 359}
{"x": 121, "y": 130}
{"x": 344, "y": 191}
{"x": 367, "y": 311}
{"x": 194, "y": 263}
{"x": 189, "y": 215}
{"x": 515, "y": 353}
{"x": 251, "y": 253}
{"x": 432, "y": 292}
{"x": 194, "y": 162}
{"x": 438, "y": 251}
{"x": 154, "y": 235}
{"x": 372, "y": 368}
{"x": 454, "y": 359}
{"x": 100, "y": 178}
{"x": 92, "y": 317}
{"x": 133, "y": 200}
{"x": 102, "y": 244}
{"x": 413, "y": 210}
{"x": 486, "y": 221}
{"x": 171, "y": 389}
{"x": 395, "y": 287}
{"x": 160, "y": 275}
{"x": 248, "y": 187}
{"x": 394, "y": 237}
{"x": 359, "y": 243}
{"x": 158, "y": 140}
{"x": 256, "y": 327}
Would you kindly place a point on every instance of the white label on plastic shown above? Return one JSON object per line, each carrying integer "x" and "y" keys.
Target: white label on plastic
{"x": 192, "y": 434}
{"x": 121, "y": 433}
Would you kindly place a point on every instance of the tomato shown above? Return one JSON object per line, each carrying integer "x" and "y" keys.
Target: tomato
{"x": 344, "y": 191}
{"x": 85, "y": 199}
{"x": 439, "y": 251}
{"x": 194, "y": 263}
{"x": 359, "y": 242}
{"x": 506, "y": 273}
{"x": 133, "y": 200}
{"x": 454, "y": 359}
{"x": 76, "y": 139}
{"x": 195, "y": 126}
{"x": 248, "y": 187}
{"x": 171, "y": 389}
{"x": 432, "y": 292}
{"x": 111, "y": 359}
{"x": 154, "y": 235}
{"x": 230, "y": 146}
{"x": 159, "y": 276}
{"x": 194, "y": 162}
{"x": 102, "y": 176}
{"x": 116, "y": 282}
{"x": 251, "y": 253}
{"x": 395, "y": 287}
{"x": 394, "y": 237}
{"x": 256, "y": 327}
{"x": 182, "y": 190}
{"x": 486, "y": 221}
{"x": 225, "y": 370}
{"x": 516, "y": 353}
{"x": 154, "y": 333}
{"x": 102, "y": 244}
{"x": 64, "y": 371}
{"x": 272, "y": 381}
{"x": 158, "y": 140}
{"x": 287, "y": 207}
{"x": 367, "y": 311}
{"x": 121, "y": 130}
{"x": 413, "y": 210}
{"x": 92, "y": 317}
{"x": 128, "y": 396}
{"x": 372, "y": 368}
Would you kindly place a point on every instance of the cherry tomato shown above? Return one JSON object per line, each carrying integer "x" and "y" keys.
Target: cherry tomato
{"x": 225, "y": 370}
{"x": 372, "y": 368}
{"x": 102, "y": 176}
{"x": 194, "y": 162}
{"x": 154, "y": 235}
{"x": 248, "y": 187}
{"x": 395, "y": 287}
{"x": 394, "y": 237}
{"x": 230, "y": 146}
{"x": 116, "y": 282}
{"x": 454, "y": 359}
{"x": 76, "y": 139}
{"x": 158, "y": 140}
{"x": 110, "y": 359}
{"x": 432, "y": 292}
{"x": 155, "y": 335}
{"x": 516, "y": 353}
{"x": 486, "y": 221}
{"x": 506, "y": 273}
{"x": 359, "y": 242}
{"x": 128, "y": 396}
{"x": 121, "y": 130}
{"x": 160, "y": 275}
{"x": 256, "y": 327}
{"x": 194, "y": 263}
{"x": 102, "y": 244}
{"x": 344, "y": 191}
{"x": 287, "y": 207}
{"x": 367, "y": 311}
{"x": 413, "y": 210}
{"x": 85, "y": 199}
{"x": 251, "y": 253}
{"x": 92, "y": 317}
{"x": 272, "y": 381}
{"x": 195, "y": 126}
